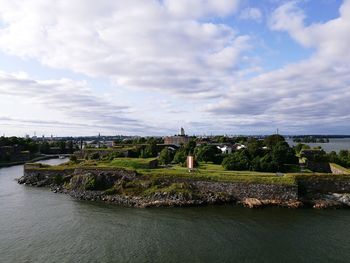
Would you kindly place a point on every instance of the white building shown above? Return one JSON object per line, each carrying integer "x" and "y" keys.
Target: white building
{"x": 225, "y": 149}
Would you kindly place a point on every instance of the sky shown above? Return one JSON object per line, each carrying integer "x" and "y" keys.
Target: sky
{"x": 149, "y": 67}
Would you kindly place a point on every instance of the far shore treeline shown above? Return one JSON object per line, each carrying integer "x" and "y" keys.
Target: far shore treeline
{"x": 269, "y": 154}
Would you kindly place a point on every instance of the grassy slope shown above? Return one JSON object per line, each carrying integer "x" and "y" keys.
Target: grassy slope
{"x": 343, "y": 169}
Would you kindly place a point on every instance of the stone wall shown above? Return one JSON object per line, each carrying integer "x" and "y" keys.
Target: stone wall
{"x": 241, "y": 191}
{"x": 43, "y": 177}
{"x": 326, "y": 185}
{"x": 108, "y": 172}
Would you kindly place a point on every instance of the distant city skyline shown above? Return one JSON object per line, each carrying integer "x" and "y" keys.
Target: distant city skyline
{"x": 148, "y": 67}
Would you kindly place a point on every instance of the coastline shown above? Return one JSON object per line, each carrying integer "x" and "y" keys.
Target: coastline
{"x": 129, "y": 188}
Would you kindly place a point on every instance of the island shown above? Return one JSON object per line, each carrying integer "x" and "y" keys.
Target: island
{"x": 310, "y": 139}
{"x": 252, "y": 172}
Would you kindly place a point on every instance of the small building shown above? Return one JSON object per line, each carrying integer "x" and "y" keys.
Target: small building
{"x": 225, "y": 149}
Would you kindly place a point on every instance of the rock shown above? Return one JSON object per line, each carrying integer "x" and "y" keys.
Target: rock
{"x": 294, "y": 204}
{"x": 323, "y": 204}
{"x": 342, "y": 198}
{"x": 252, "y": 202}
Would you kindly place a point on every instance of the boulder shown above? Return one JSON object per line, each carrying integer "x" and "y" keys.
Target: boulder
{"x": 252, "y": 202}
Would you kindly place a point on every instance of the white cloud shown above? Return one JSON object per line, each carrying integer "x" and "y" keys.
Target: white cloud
{"x": 330, "y": 39}
{"x": 312, "y": 94}
{"x": 251, "y": 13}
{"x": 169, "y": 45}
{"x": 137, "y": 43}
{"x": 65, "y": 98}
{"x": 200, "y": 8}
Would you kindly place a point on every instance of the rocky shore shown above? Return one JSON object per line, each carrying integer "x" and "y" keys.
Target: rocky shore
{"x": 127, "y": 188}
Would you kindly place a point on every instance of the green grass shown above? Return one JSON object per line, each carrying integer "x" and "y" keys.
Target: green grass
{"x": 133, "y": 163}
{"x": 205, "y": 172}
{"x": 61, "y": 167}
{"x": 339, "y": 167}
{"x": 213, "y": 172}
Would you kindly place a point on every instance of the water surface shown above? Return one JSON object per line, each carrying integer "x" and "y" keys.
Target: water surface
{"x": 334, "y": 144}
{"x": 37, "y": 225}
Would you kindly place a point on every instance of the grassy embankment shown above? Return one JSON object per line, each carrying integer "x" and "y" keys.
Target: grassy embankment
{"x": 341, "y": 168}
{"x": 206, "y": 172}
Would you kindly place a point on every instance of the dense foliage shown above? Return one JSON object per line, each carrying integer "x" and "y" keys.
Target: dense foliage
{"x": 270, "y": 155}
{"x": 208, "y": 153}
{"x": 166, "y": 156}
{"x": 342, "y": 158}
{"x": 24, "y": 144}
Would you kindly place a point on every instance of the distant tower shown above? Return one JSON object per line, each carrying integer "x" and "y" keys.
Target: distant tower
{"x": 182, "y": 132}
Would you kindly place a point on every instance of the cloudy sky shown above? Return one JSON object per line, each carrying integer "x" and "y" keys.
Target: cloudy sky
{"x": 147, "y": 67}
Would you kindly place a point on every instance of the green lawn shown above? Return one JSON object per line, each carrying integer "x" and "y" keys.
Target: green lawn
{"x": 134, "y": 163}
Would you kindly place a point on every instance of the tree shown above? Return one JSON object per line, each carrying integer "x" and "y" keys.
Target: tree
{"x": 190, "y": 147}
{"x": 300, "y": 146}
{"x": 180, "y": 156}
{"x": 283, "y": 154}
{"x": 62, "y": 146}
{"x": 236, "y": 161}
{"x": 208, "y": 153}
{"x": 166, "y": 156}
{"x": 344, "y": 154}
{"x": 45, "y": 147}
{"x": 267, "y": 164}
{"x": 70, "y": 147}
{"x": 272, "y": 140}
{"x": 150, "y": 150}
{"x": 254, "y": 148}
